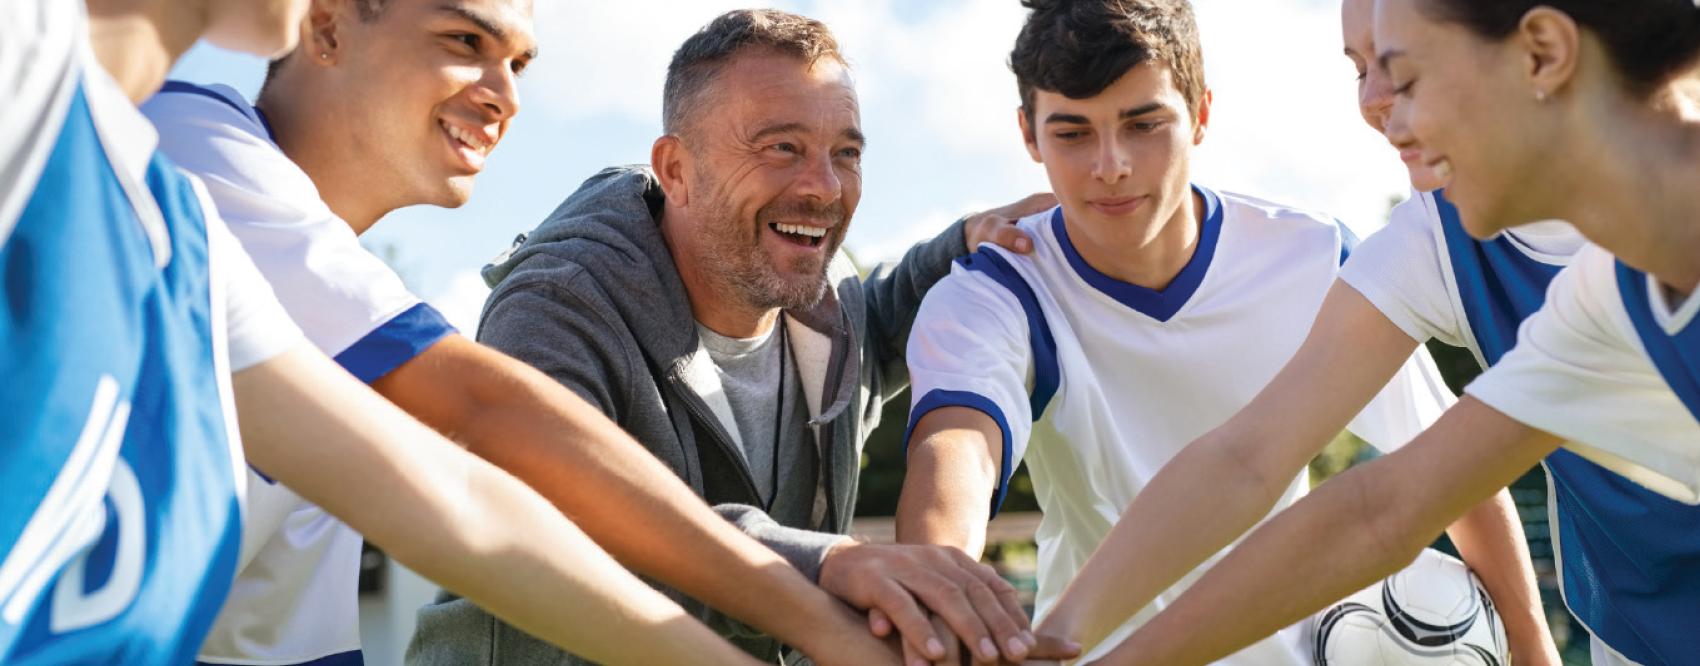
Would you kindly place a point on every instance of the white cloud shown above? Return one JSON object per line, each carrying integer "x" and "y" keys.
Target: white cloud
{"x": 601, "y": 57}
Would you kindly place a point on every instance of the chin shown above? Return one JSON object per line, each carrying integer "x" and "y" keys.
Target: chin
{"x": 455, "y": 193}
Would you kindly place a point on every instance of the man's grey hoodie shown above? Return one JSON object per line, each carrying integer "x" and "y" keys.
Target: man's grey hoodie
{"x": 593, "y": 299}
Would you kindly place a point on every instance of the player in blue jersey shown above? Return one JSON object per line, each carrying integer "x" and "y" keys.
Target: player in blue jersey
{"x": 1490, "y": 92}
{"x": 1100, "y": 357}
{"x": 132, "y": 325}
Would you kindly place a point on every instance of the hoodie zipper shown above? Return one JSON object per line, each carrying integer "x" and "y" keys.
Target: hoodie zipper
{"x": 699, "y": 412}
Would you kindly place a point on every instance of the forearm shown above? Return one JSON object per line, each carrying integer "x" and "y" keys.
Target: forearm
{"x": 1491, "y": 539}
{"x": 628, "y": 501}
{"x": 947, "y": 495}
{"x": 454, "y": 518}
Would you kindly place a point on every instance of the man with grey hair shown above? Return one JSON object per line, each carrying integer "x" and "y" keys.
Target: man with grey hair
{"x": 701, "y": 304}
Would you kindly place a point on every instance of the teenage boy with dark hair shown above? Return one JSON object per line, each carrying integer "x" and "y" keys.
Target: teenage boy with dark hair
{"x": 1150, "y": 310}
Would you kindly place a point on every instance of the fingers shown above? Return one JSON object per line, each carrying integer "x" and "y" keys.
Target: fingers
{"x": 1054, "y": 648}
{"x": 1001, "y": 232}
{"x": 878, "y": 624}
{"x": 913, "y": 624}
{"x": 996, "y": 603}
{"x": 1007, "y": 597}
{"x": 944, "y": 593}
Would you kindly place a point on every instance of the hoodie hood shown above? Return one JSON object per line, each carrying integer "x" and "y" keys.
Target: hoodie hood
{"x": 610, "y": 227}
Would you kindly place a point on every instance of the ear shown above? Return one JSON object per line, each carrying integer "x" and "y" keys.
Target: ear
{"x": 1202, "y": 122}
{"x": 1551, "y": 44}
{"x": 1027, "y": 135}
{"x": 321, "y": 30}
{"x": 671, "y": 162}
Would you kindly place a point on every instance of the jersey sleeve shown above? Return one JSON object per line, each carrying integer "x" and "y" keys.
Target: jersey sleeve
{"x": 256, "y": 327}
{"x": 969, "y": 348}
{"x": 349, "y": 303}
{"x": 1399, "y": 270}
{"x": 1578, "y": 372}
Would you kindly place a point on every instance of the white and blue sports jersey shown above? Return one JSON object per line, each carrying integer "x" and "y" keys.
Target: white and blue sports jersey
{"x": 295, "y": 599}
{"x": 1629, "y": 558}
{"x": 121, "y": 466}
{"x": 1098, "y": 383}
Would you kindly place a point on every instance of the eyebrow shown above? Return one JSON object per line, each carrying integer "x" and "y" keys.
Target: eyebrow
{"x": 850, "y": 133}
{"x": 488, "y": 25}
{"x": 1076, "y": 119}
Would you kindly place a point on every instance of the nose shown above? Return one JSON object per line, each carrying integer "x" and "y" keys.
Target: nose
{"x": 497, "y": 92}
{"x": 818, "y": 180}
{"x": 1375, "y": 98}
{"x": 1398, "y": 125}
{"x": 1113, "y": 162}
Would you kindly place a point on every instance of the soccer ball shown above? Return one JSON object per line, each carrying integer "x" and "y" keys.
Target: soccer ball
{"x": 1434, "y": 613}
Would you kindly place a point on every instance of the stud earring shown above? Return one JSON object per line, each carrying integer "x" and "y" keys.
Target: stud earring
{"x": 324, "y": 55}
{"x": 1541, "y": 96}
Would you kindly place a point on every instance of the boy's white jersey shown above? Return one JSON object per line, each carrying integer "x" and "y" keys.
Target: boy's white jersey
{"x": 1581, "y": 370}
{"x": 1098, "y": 383}
{"x": 295, "y": 597}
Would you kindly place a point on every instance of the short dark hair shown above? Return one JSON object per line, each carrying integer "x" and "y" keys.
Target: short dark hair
{"x": 1078, "y": 48}
{"x": 701, "y": 58}
{"x": 1649, "y": 41}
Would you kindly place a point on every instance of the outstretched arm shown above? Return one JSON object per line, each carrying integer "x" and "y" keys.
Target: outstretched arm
{"x": 455, "y": 518}
{"x": 529, "y": 424}
{"x": 1171, "y": 528}
{"x": 1359, "y": 527}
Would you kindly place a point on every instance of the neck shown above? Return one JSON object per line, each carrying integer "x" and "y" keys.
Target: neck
{"x": 1637, "y": 201}
{"x": 311, "y": 138}
{"x": 137, "y": 41}
{"x": 1154, "y": 256}
{"x": 714, "y": 304}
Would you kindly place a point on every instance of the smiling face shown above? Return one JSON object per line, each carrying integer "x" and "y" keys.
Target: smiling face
{"x": 1118, "y": 161}
{"x": 1466, "y": 104}
{"x": 1375, "y": 92}
{"x": 428, "y": 88}
{"x": 774, "y": 175}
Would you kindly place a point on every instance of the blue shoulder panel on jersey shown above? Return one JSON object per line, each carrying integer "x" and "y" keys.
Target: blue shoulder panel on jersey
{"x": 1348, "y": 241}
{"x": 1156, "y": 304}
{"x": 1676, "y": 356}
{"x": 1498, "y": 285}
{"x": 939, "y": 398}
{"x": 396, "y": 342}
{"x": 1629, "y": 559}
{"x": 1047, "y": 374}
{"x": 192, "y": 89}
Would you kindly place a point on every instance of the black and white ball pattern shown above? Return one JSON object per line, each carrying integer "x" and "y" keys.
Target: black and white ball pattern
{"x": 1433, "y": 613}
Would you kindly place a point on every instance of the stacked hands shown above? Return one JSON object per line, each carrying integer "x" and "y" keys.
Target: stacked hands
{"x": 937, "y": 605}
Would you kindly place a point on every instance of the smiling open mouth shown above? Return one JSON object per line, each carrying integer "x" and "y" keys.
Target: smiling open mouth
{"x": 799, "y": 234}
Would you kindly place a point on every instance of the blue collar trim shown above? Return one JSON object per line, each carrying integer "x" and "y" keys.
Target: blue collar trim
{"x": 1160, "y": 305}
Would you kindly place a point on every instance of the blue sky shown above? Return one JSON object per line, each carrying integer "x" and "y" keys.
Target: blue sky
{"x": 938, "y": 107}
